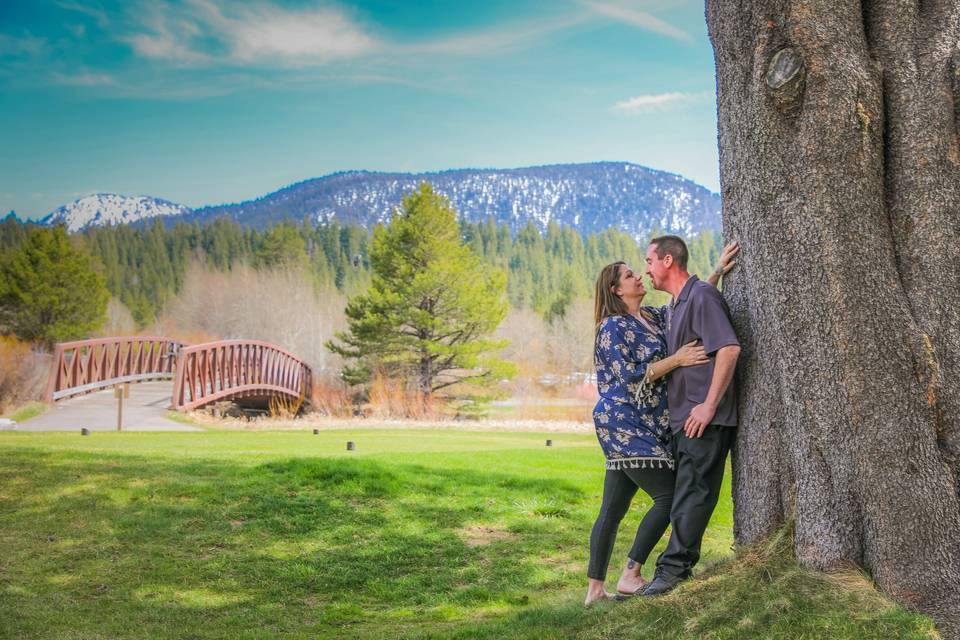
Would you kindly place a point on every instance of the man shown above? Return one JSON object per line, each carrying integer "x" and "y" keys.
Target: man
{"x": 702, "y": 405}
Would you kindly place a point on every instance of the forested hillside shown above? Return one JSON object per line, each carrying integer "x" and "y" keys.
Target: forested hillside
{"x": 145, "y": 267}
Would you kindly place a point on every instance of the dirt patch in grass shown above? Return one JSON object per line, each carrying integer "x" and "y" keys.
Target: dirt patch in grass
{"x": 481, "y": 535}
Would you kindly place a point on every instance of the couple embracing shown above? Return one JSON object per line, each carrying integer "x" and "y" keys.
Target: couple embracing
{"x": 667, "y": 414}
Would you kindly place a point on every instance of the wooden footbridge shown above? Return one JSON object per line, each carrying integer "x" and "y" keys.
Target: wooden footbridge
{"x": 249, "y": 372}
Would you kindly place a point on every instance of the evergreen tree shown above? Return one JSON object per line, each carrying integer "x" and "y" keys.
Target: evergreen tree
{"x": 557, "y": 309}
{"x": 282, "y": 246}
{"x": 431, "y": 306}
{"x": 49, "y": 290}
{"x": 145, "y": 266}
{"x": 13, "y": 232}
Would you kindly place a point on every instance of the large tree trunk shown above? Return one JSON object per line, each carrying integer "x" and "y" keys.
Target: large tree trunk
{"x": 840, "y": 170}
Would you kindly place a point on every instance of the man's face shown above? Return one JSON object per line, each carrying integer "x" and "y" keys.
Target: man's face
{"x": 657, "y": 267}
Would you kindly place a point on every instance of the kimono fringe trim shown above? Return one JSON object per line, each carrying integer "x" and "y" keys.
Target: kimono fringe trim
{"x": 639, "y": 463}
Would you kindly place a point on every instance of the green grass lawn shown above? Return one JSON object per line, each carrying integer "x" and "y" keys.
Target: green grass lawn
{"x": 417, "y": 533}
{"x": 27, "y": 411}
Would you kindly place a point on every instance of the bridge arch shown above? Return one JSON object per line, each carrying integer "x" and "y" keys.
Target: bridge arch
{"x": 83, "y": 366}
{"x": 249, "y": 371}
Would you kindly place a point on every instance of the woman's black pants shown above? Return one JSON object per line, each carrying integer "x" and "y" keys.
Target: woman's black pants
{"x": 619, "y": 487}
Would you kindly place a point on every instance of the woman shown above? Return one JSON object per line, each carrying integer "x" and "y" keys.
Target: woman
{"x": 631, "y": 418}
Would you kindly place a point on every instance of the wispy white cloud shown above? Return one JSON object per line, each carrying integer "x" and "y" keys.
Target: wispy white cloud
{"x": 160, "y": 33}
{"x": 21, "y": 47}
{"x": 655, "y": 102}
{"x": 78, "y": 30}
{"x": 495, "y": 40}
{"x": 95, "y": 10}
{"x": 209, "y": 32}
{"x": 264, "y": 31}
{"x": 83, "y": 79}
{"x": 262, "y": 43}
{"x": 632, "y": 15}
{"x": 203, "y": 32}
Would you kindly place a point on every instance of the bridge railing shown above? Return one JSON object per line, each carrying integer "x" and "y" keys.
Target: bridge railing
{"x": 87, "y": 365}
{"x": 237, "y": 369}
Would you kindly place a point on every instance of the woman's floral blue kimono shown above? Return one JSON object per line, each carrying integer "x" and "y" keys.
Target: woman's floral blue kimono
{"x": 631, "y": 418}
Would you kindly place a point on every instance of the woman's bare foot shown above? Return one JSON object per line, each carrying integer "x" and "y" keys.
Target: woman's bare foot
{"x": 596, "y": 592}
{"x": 597, "y": 597}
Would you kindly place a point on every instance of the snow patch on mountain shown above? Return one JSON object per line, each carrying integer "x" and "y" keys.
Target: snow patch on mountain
{"x": 102, "y": 209}
{"x": 590, "y": 197}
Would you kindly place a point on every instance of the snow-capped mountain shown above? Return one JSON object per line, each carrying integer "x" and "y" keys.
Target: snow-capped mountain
{"x": 589, "y": 197}
{"x": 103, "y": 209}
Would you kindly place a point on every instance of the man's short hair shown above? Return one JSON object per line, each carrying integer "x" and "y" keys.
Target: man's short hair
{"x": 674, "y": 246}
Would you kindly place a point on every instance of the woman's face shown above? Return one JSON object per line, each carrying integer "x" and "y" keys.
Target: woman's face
{"x": 631, "y": 284}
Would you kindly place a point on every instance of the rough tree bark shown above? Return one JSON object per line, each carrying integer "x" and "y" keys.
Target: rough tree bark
{"x": 839, "y": 131}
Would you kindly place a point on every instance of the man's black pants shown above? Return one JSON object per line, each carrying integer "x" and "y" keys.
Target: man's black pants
{"x": 699, "y": 466}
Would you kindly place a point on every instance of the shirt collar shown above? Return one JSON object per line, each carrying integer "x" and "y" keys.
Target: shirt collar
{"x": 685, "y": 291}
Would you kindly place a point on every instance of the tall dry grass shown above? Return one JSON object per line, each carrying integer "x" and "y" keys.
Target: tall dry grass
{"x": 23, "y": 373}
{"x": 332, "y": 398}
{"x": 389, "y": 398}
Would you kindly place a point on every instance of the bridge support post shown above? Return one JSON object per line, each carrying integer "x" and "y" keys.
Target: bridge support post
{"x": 121, "y": 391}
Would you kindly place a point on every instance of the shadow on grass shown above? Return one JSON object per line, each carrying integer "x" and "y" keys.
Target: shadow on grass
{"x": 127, "y": 546}
{"x": 123, "y": 546}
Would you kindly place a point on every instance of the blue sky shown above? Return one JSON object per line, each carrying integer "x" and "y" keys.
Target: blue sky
{"x": 207, "y": 101}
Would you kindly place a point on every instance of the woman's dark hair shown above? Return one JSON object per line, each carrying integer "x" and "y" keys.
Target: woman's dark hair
{"x": 606, "y": 302}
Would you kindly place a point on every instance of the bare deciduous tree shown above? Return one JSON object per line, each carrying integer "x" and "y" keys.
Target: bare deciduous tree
{"x": 119, "y": 321}
{"x": 279, "y": 306}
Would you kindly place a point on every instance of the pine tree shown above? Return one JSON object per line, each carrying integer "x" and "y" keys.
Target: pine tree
{"x": 13, "y": 232}
{"x": 431, "y": 306}
{"x": 49, "y": 290}
{"x": 282, "y": 246}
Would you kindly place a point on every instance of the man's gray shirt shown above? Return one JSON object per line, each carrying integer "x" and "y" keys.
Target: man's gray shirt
{"x": 699, "y": 313}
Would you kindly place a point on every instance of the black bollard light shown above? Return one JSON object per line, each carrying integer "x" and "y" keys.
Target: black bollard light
{"x": 549, "y": 443}
{"x": 350, "y": 446}
{"x": 84, "y": 431}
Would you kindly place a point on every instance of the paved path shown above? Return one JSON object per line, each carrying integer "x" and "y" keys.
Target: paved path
{"x": 145, "y": 410}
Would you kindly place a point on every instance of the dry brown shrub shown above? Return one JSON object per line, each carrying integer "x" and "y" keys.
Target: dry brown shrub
{"x": 285, "y": 406}
{"x": 331, "y": 398}
{"x": 23, "y": 372}
{"x": 389, "y": 398}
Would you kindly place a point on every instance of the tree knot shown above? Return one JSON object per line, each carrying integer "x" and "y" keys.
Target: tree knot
{"x": 785, "y": 78}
